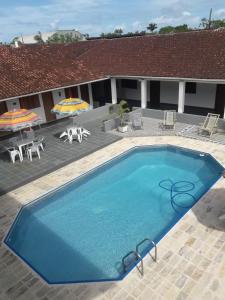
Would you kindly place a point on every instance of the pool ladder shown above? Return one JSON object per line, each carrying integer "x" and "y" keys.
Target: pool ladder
{"x": 138, "y": 257}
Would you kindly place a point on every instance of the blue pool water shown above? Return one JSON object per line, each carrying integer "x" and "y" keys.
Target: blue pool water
{"x": 81, "y": 231}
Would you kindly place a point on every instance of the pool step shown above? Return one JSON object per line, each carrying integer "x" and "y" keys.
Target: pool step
{"x": 138, "y": 258}
{"x": 151, "y": 242}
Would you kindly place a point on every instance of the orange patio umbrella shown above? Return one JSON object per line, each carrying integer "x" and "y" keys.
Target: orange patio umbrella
{"x": 18, "y": 119}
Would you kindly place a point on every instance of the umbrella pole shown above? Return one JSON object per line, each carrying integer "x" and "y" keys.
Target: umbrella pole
{"x": 21, "y": 134}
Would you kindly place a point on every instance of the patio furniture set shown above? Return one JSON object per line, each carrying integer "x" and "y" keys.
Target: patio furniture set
{"x": 75, "y": 133}
{"x": 27, "y": 145}
{"x": 207, "y": 128}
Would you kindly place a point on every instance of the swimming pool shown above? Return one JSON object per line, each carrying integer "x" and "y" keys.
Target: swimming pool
{"x": 81, "y": 231}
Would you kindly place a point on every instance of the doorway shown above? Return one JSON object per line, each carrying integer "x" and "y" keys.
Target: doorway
{"x": 220, "y": 100}
{"x": 154, "y": 95}
{"x": 48, "y": 105}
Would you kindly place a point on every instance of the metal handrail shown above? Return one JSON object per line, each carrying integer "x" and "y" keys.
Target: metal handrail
{"x": 137, "y": 256}
{"x": 151, "y": 242}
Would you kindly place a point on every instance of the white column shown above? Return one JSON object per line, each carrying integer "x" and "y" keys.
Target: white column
{"x": 90, "y": 95}
{"x": 143, "y": 93}
{"x": 42, "y": 114}
{"x": 79, "y": 92}
{"x": 113, "y": 90}
{"x": 181, "y": 96}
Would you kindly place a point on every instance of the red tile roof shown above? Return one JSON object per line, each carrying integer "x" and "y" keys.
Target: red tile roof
{"x": 30, "y": 69}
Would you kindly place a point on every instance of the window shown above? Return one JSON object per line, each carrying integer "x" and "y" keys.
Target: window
{"x": 190, "y": 88}
{"x": 129, "y": 84}
{"x": 30, "y": 102}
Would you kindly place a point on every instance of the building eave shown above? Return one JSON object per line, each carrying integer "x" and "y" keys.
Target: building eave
{"x": 140, "y": 77}
{"x": 54, "y": 89}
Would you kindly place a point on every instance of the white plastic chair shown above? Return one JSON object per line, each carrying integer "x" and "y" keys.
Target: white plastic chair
{"x": 136, "y": 120}
{"x": 39, "y": 142}
{"x": 33, "y": 149}
{"x": 74, "y": 133}
{"x": 13, "y": 153}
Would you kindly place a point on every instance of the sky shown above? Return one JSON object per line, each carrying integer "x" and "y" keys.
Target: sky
{"x": 96, "y": 16}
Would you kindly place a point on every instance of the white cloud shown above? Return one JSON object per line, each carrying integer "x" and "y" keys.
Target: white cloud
{"x": 220, "y": 13}
{"x": 176, "y": 12}
{"x": 137, "y": 26}
{"x": 186, "y": 13}
{"x": 96, "y": 16}
{"x": 60, "y": 13}
{"x": 120, "y": 26}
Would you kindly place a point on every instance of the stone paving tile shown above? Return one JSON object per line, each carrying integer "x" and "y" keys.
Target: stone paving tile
{"x": 191, "y": 257}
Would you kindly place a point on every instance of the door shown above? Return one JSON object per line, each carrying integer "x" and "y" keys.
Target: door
{"x": 84, "y": 92}
{"x": 155, "y": 94}
{"x": 48, "y": 105}
{"x": 220, "y": 100}
{"x": 3, "y": 107}
{"x": 107, "y": 89}
{"x": 71, "y": 92}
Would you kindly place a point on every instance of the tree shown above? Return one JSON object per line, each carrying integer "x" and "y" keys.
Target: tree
{"x": 171, "y": 29}
{"x": 205, "y": 23}
{"x": 181, "y": 28}
{"x": 152, "y": 27}
{"x": 62, "y": 38}
{"x": 215, "y": 24}
{"x": 212, "y": 24}
{"x": 38, "y": 38}
{"x": 118, "y": 31}
{"x": 166, "y": 29}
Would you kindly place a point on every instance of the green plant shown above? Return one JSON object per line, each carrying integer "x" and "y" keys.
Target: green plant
{"x": 122, "y": 109}
{"x": 152, "y": 27}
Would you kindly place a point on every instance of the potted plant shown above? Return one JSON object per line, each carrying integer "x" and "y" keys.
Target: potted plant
{"x": 122, "y": 109}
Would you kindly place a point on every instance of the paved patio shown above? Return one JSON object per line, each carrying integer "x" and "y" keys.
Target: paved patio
{"x": 151, "y": 128}
{"x": 191, "y": 257}
{"x": 56, "y": 154}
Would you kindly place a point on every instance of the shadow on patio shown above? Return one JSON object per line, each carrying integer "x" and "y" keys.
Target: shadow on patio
{"x": 210, "y": 211}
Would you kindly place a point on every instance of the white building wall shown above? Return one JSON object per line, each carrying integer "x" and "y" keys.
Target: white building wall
{"x": 169, "y": 92}
{"x": 204, "y": 97}
{"x": 131, "y": 94}
{"x": 57, "y": 96}
{"x": 15, "y": 104}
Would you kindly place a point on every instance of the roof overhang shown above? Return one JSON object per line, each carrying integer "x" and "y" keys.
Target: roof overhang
{"x": 54, "y": 89}
{"x": 139, "y": 77}
{"x": 134, "y": 77}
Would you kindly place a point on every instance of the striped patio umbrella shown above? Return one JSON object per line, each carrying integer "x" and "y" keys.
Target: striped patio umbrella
{"x": 18, "y": 119}
{"x": 70, "y": 107}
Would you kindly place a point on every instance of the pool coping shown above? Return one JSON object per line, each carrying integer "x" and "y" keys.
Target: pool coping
{"x": 88, "y": 172}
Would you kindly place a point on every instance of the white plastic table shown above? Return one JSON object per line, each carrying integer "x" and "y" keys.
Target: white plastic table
{"x": 23, "y": 143}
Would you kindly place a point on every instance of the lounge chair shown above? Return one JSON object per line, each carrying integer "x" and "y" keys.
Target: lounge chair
{"x": 169, "y": 119}
{"x": 210, "y": 124}
{"x": 136, "y": 121}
